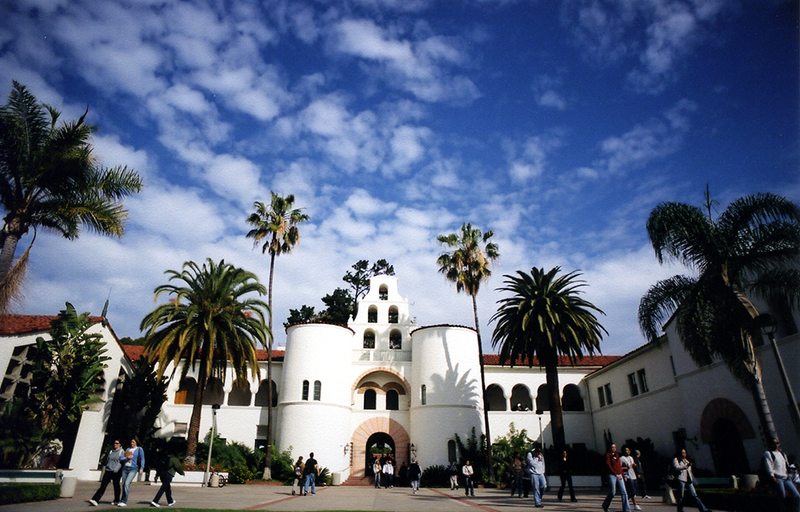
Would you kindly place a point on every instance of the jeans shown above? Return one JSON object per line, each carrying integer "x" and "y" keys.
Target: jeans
{"x": 468, "y": 487}
{"x": 539, "y": 484}
{"x": 128, "y": 474}
{"x": 377, "y": 479}
{"x": 388, "y": 480}
{"x": 311, "y": 481}
{"x": 784, "y": 486}
{"x": 566, "y": 480}
{"x": 415, "y": 485}
{"x": 613, "y": 484}
{"x": 681, "y": 488}
{"x": 114, "y": 478}
{"x": 517, "y": 484}
{"x": 166, "y": 487}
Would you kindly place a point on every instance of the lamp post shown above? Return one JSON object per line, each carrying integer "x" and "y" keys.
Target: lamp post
{"x": 214, "y": 409}
{"x": 769, "y": 326}
{"x": 539, "y": 412}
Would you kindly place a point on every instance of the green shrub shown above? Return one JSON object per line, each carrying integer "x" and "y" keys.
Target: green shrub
{"x": 239, "y": 475}
{"x": 24, "y": 493}
{"x": 435, "y": 476}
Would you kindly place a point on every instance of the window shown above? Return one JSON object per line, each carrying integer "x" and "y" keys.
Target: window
{"x": 393, "y": 315}
{"x": 369, "y": 339}
{"x": 18, "y": 373}
{"x": 601, "y": 396}
{"x": 632, "y": 384}
{"x": 392, "y": 400}
{"x": 317, "y": 390}
{"x": 305, "y": 390}
{"x": 395, "y": 340}
{"x": 452, "y": 455}
{"x": 604, "y": 394}
{"x": 372, "y": 315}
{"x": 369, "y": 399}
{"x": 642, "y": 381}
{"x": 543, "y": 398}
{"x": 383, "y": 292}
{"x": 571, "y": 398}
{"x": 609, "y": 400}
{"x": 262, "y": 397}
{"x": 423, "y": 395}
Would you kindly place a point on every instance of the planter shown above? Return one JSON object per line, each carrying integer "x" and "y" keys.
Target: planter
{"x": 739, "y": 501}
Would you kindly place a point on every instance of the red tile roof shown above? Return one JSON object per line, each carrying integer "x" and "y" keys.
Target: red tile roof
{"x": 494, "y": 359}
{"x": 26, "y": 324}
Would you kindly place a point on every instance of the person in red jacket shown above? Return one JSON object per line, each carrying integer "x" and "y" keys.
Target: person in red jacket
{"x": 613, "y": 469}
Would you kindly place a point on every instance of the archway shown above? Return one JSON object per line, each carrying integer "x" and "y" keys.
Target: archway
{"x": 378, "y": 445}
{"x": 727, "y": 449}
{"x": 384, "y": 430}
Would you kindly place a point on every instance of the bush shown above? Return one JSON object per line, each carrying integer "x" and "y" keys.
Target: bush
{"x": 239, "y": 475}
{"x": 23, "y": 493}
{"x": 435, "y": 476}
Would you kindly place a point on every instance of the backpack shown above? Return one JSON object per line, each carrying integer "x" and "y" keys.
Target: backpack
{"x": 672, "y": 473}
{"x": 298, "y": 471}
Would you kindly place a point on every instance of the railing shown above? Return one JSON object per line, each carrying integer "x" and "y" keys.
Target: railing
{"x": 382, "y": 355}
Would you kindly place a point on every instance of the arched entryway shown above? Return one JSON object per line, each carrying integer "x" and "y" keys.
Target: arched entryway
{"x": 723, "y": 426}
{"x": 379, "y": 445}
{"x": 385, "y": 431}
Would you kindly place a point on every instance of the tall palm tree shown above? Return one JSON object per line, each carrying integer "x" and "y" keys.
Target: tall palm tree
{"x": 544, "y": 319}
{"x": 468, "y": 266}
{"x": 212, "y": 319}
{"x": 50, "y": 179}
{"x": 752, "y": 249}
{"x": 275, "y": 226}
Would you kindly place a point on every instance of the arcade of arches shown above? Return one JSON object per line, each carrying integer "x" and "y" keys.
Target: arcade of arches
{"x": 521, "y": 400}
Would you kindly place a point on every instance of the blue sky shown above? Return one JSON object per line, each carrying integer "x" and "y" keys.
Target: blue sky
{"x": 558, "y": 125}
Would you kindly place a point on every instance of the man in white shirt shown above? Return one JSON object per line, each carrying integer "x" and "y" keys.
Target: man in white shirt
{"x": 776, "y": 466}
{"x": 629, "y": 474}
{"x": 388, "y": 474}
{"x": 535, "y": 461}
{"x": 469, "y": 486}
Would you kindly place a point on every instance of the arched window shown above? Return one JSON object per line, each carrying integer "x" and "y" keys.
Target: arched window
{"x": 542, "y": 398}
{"x": 571, "y": 399}
{"x": 369, "y": 399}
{"x": 392, "y": 400}
{"x": 495, "y": 400}
{"x": 261, "y": 396}
{"x": 317, "y": 390}
{"x": 521, "y": 398}
{"x": 372, "y": 314}
{"x": 369, "y": 339}
{"x": 393, "y": 315}
{"x": 305, "y": 390}
{"x": 383, "y": 292}
{"x": 423, "y": 394}
{"x": 185, "y": 393}
{"x": 214, "y": 393}
{"x": 395, "y": 340}
{"x": 240, "y": 393}
{"x": 452, "y": 454}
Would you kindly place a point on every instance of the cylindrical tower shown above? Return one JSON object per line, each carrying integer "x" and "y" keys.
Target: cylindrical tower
{"x": 314, "y": 409}
{"x": 446, "y": 397}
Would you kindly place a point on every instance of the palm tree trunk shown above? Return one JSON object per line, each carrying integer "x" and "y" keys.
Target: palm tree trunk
{"x": 556, "y": 413}
{"x": 268, "y": 456}
{"x": 762, "y": 406}
{"x": 492, "y": 475}
{"x": 9, "y": 246}
{"x": 192, "y": 437}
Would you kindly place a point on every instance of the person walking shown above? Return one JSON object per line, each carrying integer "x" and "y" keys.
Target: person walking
{"x": 166, "y": 473}
{"x": 615, "y": 479}
{"x": 565, "y": 472}
{"x": 452, "y": 471}
{"x": 777, "y": 465}
{"x": 311, "y": 471}
{"x": 683, "y": 467}
{"x": 641, "y": 483}
{"x": 299, "y": 467}
{"x": 468, "y": 472}
{"x": 388, "y": 474}
{"x": 114, "y": 461}
{"x": 629, "y": 476}
{"x": 517, "y": 474}
{"x": 414, "y": 473}
{"x": 133, "y": 466}
{"x": 535, "y": 461}
{"x": 377, "y": 470}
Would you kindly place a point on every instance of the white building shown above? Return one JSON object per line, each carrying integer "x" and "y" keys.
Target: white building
{"x": 385, "y": 380}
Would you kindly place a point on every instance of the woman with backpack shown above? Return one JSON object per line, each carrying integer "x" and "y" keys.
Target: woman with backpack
{"x": 299, "y": 467}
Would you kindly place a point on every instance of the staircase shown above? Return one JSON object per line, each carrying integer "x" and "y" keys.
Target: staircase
{"x": 358, "y": 481}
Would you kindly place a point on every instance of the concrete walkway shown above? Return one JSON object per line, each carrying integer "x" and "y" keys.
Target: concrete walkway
{"x": 275, "y": 497}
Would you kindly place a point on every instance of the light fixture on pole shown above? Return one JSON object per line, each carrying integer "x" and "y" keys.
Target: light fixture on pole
{"x": 214, "y": 409}
{"x": 768, "y": 327}
{"x": 539, "y": 412}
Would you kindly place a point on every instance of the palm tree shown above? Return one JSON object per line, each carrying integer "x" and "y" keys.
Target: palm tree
{"x": 212, "y": 319}
{"x": 751, "y": 249}
{"x": 49, "y": 179}
{"x": 468, "y": 266}
{"x": 545, "y": 319}
{"x": 276, "y": 226}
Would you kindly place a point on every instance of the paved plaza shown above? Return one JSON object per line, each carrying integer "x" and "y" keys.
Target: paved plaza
{"x": 275, "y": 497}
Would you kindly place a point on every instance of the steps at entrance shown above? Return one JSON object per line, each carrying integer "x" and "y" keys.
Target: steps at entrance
{"x": 358, "y": 481}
